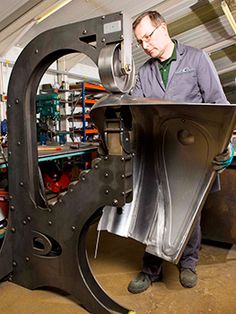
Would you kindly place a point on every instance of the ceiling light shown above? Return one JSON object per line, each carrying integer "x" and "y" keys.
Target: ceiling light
{"x": 53, "y": 10}
{"x": 229, "y": 15}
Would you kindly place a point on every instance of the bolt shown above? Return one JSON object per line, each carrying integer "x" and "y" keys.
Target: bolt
{"x": 24, "y": 222}
{"x": 106, "y": 158}
{"x": 96, "y": 167}
{"x": 21, "y": 184}
{"x": 71, "y": 190}
{"x": 17, "y": 101}
{"x": 121, "y": 36}
{"x": 83, "y": 178}
{"x": 106, "y": 174}
{"x": 127, "y": 67}
{"x": 50, "y": 222}
{"x": 13, "y": 230}
{"x": 27, "y": 259}
{"x": 14, "y": 263}
{"x": 122, "y": 176}
{"x": 12, "y": 208}
{"x": 28, "y": 218}
{"x": 36, "y": 51}
{"x": 9, "y": 106}
{"x": 106, "y": 191}
{"x": 126, "y": 139}
{"x": 18, "y": 143}
{"x": 103, "y": 17}
{"x": 84, "y": 31}
{"x": 10, "y": 197}
{"x": 103, "y": 40}
{"x": 73, "y": 228}
{"x": 122, "y": 159}
{"x": 122, "y": 193}
{"x": 9, "y": 153}
{"x": 60, "y": 200}
{"x": 115, "y": 202}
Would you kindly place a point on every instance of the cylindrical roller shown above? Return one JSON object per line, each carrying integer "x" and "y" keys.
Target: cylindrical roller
{"x": 112, "y": 77}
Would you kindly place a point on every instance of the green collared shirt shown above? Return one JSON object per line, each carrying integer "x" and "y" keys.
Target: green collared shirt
{"x": 164, "y": 67}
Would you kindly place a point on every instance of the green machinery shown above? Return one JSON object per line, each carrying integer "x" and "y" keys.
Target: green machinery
{"x": 48, "y": 111}
{"x": 48, "y": 106}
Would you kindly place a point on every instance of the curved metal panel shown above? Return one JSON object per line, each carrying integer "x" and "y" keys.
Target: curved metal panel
{"x": 174, "y": 145}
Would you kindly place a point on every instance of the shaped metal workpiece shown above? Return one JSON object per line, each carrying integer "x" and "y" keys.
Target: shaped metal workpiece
{"x": 174, "y": 145}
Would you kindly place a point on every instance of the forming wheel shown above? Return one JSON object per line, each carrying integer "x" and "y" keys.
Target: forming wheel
{"x": 112, "y": 77}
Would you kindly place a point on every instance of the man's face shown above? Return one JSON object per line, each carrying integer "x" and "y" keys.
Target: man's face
{"x": 154, "y": 45}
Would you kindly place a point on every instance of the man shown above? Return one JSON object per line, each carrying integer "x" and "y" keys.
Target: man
{"x": 180, "y": 73}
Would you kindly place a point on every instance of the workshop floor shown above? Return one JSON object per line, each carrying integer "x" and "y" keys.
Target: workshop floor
{"x": 117, "y": 263}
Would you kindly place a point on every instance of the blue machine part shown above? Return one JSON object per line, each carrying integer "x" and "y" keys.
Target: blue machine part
{"x": 4, "y": 127}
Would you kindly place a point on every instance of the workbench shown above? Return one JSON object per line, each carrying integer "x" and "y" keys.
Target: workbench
{"x": 47, "y": 153}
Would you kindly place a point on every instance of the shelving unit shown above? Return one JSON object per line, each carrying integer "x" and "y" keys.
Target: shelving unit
{"x": 74, "y": 121}
{"x": 70, "y": 100}
{"x": 89, "y": 96}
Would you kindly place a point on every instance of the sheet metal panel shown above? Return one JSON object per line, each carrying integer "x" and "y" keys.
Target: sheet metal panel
{"x": 174, "y": 145}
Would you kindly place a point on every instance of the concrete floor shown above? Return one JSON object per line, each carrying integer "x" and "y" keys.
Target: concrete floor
{"x": 118, "y": 262}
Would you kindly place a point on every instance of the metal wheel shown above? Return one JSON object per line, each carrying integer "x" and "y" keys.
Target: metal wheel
{"x": 111, "y": 74}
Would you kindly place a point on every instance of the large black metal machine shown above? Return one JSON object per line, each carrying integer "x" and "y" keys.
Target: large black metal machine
{"x": 168, "y": 140}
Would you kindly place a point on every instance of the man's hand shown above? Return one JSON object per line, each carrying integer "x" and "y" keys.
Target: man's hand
{"x": 224, "y": 159}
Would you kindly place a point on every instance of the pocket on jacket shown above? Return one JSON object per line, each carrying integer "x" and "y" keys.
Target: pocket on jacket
{"x": 185, "y": 86}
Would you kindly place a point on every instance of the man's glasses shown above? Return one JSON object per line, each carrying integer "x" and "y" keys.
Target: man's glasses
{"x": 146, "y": 38}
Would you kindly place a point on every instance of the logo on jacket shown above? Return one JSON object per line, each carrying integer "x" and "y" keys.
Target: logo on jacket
{"x": 184, "y": 70}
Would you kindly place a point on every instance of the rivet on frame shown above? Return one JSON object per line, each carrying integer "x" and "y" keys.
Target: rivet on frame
{"x": 115, "y": 202}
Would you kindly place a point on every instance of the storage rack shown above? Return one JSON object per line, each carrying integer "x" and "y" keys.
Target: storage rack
{"x": 69, "y": 101}
{"x": 88, "y": 91}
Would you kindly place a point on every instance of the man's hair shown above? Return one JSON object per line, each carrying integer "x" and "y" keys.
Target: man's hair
{"x": 154, "y": 16}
